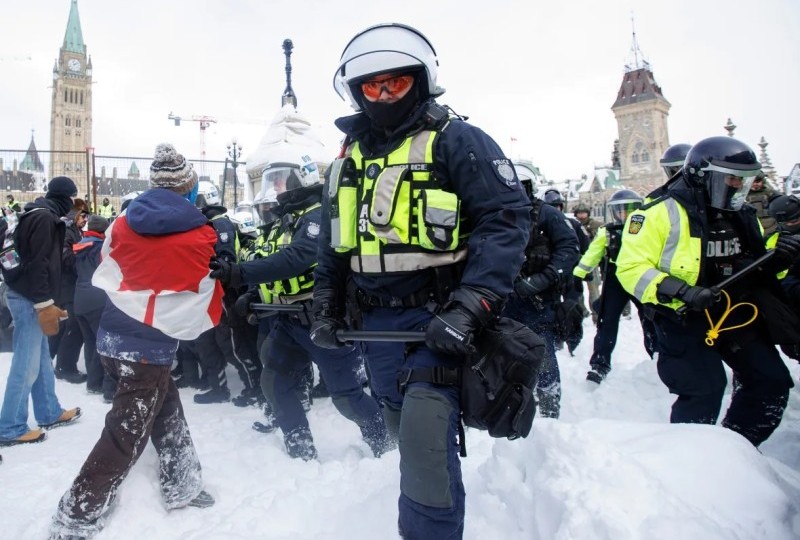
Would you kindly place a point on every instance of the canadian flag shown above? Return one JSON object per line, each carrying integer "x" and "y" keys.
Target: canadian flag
{"x": 162, "y": 281}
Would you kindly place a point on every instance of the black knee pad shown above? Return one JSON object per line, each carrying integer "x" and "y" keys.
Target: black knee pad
{"x": 424, "y": 440}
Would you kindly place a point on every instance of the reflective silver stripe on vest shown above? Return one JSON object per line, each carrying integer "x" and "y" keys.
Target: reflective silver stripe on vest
{"x": 585, "y": 268}
{"x": 404, "y": 262}
{"x": 647, "y": 278}
{"x": 419, "y": 147}
{"x": 671, "y": 245}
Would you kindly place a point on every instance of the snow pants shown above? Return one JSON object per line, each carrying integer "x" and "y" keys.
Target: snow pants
{"x": 426, "y": 420}
{"x": 146, "y": 406}
{"x": 694, "y": 371}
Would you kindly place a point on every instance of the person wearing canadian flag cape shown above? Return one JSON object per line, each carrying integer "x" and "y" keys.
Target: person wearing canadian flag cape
{"x": 154, "y": 269}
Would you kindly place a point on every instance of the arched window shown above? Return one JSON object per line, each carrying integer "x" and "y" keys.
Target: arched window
{"x": 67, "y": 121}
{"x": 81, "y": 97}
{"x": 77, "y": 122}
{"x": 65, "y": 95}
{"x": 639, "y": 153}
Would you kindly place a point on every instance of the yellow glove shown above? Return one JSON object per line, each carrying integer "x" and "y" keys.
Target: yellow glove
{"x": 49, "y": 318}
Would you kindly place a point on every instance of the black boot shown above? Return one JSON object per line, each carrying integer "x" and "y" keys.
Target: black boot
{"x": 300, "y": 444}
{"x": 248, "y": 397}
{"x": 203, "y": 500}
{"x": 217, "y": 395}
{"x": 270, "y": 423}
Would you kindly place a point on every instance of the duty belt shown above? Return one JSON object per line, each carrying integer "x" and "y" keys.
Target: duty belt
{"x": 417, "y": 299}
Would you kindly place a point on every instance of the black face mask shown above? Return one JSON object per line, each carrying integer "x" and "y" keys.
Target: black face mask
{"x": 61, "y": 205}
{"x": 391, "y": 115}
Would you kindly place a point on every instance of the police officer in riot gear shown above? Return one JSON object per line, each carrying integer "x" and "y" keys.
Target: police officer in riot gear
{"x": 672, "y": 163}
{"x": 604, "y": 250}
{"x": 674, "y": 250}
{"x": 287, "y": 352}
{"x": 417, "y": 212}
{"x": 550, "y": 255}
{"x": 574, "y": 290}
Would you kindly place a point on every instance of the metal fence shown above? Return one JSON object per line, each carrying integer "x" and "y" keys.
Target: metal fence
{"x": 25, "y": 174}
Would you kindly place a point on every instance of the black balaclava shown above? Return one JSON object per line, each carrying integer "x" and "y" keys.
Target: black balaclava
{"x": 390, "y": 115}
{"x": 59, "y": 195}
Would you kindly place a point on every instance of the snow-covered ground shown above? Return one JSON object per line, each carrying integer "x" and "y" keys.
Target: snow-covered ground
{"x": 611, "y": 468}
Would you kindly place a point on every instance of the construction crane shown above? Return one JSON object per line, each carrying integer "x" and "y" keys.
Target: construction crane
{"x": 204, "y": 122}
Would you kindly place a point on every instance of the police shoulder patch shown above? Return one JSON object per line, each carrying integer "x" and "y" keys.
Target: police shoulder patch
{"x": 637, "y": 221}
{"x": 504, "y": 171}
{"x": 312, "y": 230}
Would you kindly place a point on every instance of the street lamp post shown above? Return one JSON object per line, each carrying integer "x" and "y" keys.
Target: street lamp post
{"x": 234, "y": 153}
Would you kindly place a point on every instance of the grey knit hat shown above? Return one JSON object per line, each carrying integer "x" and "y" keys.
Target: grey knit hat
{"x": 97, "y": 223}
{"x": 170, "y": 170}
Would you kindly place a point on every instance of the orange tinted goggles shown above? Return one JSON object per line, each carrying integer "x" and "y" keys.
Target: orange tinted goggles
{"x": 391, "y": 85}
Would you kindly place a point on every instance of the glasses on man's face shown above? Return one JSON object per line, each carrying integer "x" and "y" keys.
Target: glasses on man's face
{"x": 394, "y": 86}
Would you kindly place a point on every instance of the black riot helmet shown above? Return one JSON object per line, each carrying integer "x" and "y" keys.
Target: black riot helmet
{"x": 553, "y": 197}
{"x": 673, "y": 158}
{"x": 725, "y": 168}
{"x": 622, "y": 203}
{"x": 786, "y": 211}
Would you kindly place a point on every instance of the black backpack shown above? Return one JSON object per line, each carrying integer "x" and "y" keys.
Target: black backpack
{"x": 497, "y": 382}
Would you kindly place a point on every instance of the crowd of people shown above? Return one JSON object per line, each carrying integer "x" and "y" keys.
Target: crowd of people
{"x": 421, "y": 224}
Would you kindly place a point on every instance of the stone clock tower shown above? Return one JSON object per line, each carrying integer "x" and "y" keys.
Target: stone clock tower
{"x": 641, "y": 111}
{"x": 71, "y": 111}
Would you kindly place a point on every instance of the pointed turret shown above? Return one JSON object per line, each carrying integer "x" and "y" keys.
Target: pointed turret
{"x": 73, "y": 38}
{"x": 31, "y": 161}
{"x": 133, "y": 171}
{"x": 641, "y": 111}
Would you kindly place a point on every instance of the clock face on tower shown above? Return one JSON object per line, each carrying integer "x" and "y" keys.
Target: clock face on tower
{"x": 74, "y": 64}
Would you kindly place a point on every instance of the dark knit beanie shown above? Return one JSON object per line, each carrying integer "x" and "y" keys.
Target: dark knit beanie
{"x": 62, "y": 186}
{"x": 97, "y": 224}
{"x": 170, "y": 170}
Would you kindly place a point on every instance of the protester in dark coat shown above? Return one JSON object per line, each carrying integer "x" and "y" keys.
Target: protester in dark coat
{"x": 66, "y": 345}
{"x": 89, "y": 303}
{"x": 33, "y": 276}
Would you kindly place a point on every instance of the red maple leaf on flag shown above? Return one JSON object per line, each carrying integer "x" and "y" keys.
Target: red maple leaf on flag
{"x": 173, "y": 262}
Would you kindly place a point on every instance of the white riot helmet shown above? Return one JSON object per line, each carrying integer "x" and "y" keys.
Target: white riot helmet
{"x": 286, "y": 173}
{"x": 244, "y": 222}
{"x": 385, "y": 48}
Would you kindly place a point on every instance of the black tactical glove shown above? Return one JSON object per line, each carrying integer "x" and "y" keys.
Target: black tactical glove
{"x": 696, "y": 298}
{"x": 453, "y": 330}
{"x": 536, "y": 283}
{"x": 786, "y": 251}
{"x": 328, "y": 318}
{"x": 230, "y": 275}
{"x": 242, "y": 305}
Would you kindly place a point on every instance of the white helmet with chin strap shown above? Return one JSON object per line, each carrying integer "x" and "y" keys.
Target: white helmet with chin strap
{"x": 385, "y": 48}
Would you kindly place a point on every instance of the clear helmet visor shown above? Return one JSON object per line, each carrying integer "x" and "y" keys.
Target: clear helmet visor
{"x": 726, "y": 188}
{"x": 620, "y": 211}
{"x": 672, "y": 170}
{"x": 277, "y": 180}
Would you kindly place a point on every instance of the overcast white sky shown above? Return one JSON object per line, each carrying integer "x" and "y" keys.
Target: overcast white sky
{"x": 545, "y": 73}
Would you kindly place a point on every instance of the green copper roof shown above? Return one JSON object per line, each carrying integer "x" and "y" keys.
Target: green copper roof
{"x": 31, "y": 162}
{"x": 73, "y": 38}
{"x": 134, "y": 170}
